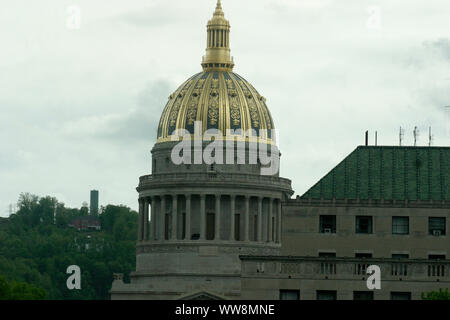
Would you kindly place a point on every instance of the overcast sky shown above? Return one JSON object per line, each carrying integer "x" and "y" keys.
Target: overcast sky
{"x": 79, "y": 107}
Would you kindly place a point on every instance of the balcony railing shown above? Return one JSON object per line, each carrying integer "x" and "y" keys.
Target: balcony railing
{"x": 214, "y": 176}
{"x": 437, "y": 270}
{"x": 347, "y": 268}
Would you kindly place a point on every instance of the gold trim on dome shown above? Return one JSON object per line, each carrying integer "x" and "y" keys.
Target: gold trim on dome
{"x": 223, "y": 101}
{"x": 217, "y": 97}
{"x": 232, "y": 138}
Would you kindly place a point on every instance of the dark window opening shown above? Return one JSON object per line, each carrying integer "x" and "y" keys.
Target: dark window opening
{"x": 289, "y": 295}
{"x": 327, "y": 254}
{"x": 364, "y": 224}
{"x": 327, "y": 224}
{"x": 326, "y": 295}
{"x": 210, "y": 226}
{"x": 400, "y": 256}
{"x": 400, "y": 295}
{"x": 362, "y": 295}
{"x": 436, "y": 226}
{"x": 195, "y": 236}
{"x": 255, "y": 227}
{"x": 237, "y": 227}
{"x": 183, "y": 231}
{"x": 436, "y": 256}
{"x": 166, "y": 226}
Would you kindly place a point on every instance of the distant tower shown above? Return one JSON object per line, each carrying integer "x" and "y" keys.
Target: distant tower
{"x": 94, "y": 203}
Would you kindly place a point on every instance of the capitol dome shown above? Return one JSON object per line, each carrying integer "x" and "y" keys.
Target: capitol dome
{"x": 217, "y": 97}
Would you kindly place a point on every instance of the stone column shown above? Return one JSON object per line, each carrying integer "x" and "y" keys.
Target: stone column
{"x": 162, "y": 219}
{"x": 233, "y": 210}
{"x": 217, "y": 219}
{"x": 146, "y": 204}
{"x": 269, "y": 224}
{"x": 187, "y": 231}
{"x": 259, "y": 234}
{"x": 141, "y": 219}
{"x": 247, "y": 219}
{"x": 202, "y": 217}
{"x": 153, "y": 219}
{"x": 279, "y": 222}
{"x": 174, "y": 216}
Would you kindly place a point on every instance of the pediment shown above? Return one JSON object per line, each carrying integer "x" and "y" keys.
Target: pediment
{"x": 202, "y": 295}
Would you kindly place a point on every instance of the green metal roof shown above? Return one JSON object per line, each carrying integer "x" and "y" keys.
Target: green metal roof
{"x": 390, "y": 173}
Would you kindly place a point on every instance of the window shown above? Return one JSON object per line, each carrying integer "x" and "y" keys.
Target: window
{"x": 167, "y": 224}
{"x": 237, "y": 227}
{"x": 400, "y": 256}
{"x": 326, "y": 295}
{"x": 400, "y": 295}
{"x": 436, "y": 256}
{"x": 362, "y": 295}
{"x": 289, "y": 295}
{"x": 183, "y": 230}
{"x": 363, "y": 224}
{"x": 400, "y": 225}
{"x": 327, "y": 224}
{"x": 327, "y": 254}
{"x": 195, "y": 236}
{"x": 210, "y": 226}
{"x": 436, "y": 226}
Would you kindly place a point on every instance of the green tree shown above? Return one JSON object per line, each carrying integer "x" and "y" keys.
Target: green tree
{"x": 19, "y": 291}
{"x": 35, "y": 252}
{"x": 436, "y": 295}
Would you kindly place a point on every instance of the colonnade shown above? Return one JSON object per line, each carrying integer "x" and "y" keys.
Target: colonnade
{"x": 160, "y": 218}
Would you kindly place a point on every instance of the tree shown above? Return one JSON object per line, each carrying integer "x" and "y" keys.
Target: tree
{"x": 436, "y": 295}
{"x": 19, "y": 291}
{"x": 35, "y": 252}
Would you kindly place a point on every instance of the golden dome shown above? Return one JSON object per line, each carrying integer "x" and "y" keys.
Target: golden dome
{"x": 217, "y": 97}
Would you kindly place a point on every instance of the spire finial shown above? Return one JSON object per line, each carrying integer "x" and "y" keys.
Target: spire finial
{"x": 218, "y": 43}
{"x": 219, "y": 11}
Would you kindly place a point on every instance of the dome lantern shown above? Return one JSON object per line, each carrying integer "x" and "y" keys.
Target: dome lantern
{"x": 218, "y": 56}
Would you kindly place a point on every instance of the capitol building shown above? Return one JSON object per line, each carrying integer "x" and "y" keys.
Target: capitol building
{"x": 224, "y": 230}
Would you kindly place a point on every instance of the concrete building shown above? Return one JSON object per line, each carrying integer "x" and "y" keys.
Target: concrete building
{"x": 224, "y": 231}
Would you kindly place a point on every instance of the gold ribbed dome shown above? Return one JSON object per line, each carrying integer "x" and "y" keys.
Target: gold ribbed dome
{"x": 217, "y": 97}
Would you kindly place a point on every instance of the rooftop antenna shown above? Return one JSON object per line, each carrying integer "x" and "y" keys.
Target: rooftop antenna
{"x": 401, "y": 135}
{"x": 430, "y": 138}
{"x": 376, "y": 138}
{"x": 416, "y": 135}
{"x": 367, "y": 138}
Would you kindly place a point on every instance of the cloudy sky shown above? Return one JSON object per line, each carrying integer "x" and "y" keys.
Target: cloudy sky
{"x": 79, "y": 106}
